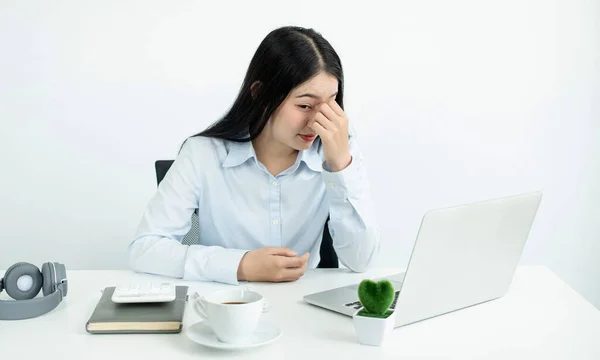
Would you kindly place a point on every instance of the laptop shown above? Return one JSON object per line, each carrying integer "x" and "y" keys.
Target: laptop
{"x": 463, "y": 256}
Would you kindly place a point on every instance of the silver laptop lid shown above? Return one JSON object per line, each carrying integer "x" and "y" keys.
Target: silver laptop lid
{"x": 465, "y": 255}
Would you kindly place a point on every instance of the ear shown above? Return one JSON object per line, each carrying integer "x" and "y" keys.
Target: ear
{"x": 255, "y": 88}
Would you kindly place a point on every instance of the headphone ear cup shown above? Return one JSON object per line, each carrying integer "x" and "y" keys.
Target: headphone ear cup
{"x": 61, "y": 274}
{"x": 48, "y": 275}
{"x": 12, "y": 276}
{"x": 14, "y": 266}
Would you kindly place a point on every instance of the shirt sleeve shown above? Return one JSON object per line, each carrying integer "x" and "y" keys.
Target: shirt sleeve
{"x": 352, "y": 224}
{"x": 157, "y": 246}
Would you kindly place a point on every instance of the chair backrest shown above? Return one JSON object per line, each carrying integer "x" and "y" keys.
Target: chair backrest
{"x": 193, "y": 236}
{"x": 327, "y": 253}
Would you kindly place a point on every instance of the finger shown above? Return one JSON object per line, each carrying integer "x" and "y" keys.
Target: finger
{"x": 300, "y": 261}
{"x": 326, "y": 110}
{"x": 293, "y": 274}
{"x": 319, "y": 129}
{"x": 291, "y": 262}
{"x": 305, "y": 257}
{"x": 302, "y": 270}
{"x": 325, "y": 122}
{"x": 337, "y": 108}
{"x": 283, "y": 251}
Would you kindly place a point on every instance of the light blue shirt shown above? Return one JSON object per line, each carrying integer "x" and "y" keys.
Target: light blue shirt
{"x": 242, "y": 207}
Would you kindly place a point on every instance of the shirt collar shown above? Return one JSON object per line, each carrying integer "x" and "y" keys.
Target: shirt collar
{"x": 239, "y": 152}
{"x": 312, "y": 157}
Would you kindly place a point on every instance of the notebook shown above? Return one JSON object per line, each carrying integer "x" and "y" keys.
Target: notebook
{"x": 137, "y": 318}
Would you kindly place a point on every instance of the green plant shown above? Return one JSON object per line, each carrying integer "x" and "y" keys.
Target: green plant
{"x": 376, "y": 298}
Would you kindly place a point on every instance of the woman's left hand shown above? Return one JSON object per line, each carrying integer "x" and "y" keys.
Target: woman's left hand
{"x": 331, "y": 124}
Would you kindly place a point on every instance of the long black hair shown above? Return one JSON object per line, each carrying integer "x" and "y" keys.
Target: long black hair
{"x": 287, "y": 57}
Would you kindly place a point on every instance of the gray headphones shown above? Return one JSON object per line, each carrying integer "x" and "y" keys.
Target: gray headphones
{"x": 23, "y": 281}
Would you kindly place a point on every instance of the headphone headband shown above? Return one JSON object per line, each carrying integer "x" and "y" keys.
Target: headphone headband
{"x": 54, "y": 284}
{"x": 27, "y": 309}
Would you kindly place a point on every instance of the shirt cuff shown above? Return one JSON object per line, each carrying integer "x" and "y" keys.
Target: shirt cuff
{"x": 214, "y": 264}
{"x": 345, "y": 183}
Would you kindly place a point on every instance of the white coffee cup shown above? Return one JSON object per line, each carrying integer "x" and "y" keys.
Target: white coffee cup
{"x": 233, "y": 315}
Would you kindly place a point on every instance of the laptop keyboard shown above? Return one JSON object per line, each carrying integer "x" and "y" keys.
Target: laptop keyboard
{"x": 357, "y": 305}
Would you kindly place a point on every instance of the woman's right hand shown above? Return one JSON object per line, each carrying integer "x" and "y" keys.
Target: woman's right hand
{"x": 273, "y": 264}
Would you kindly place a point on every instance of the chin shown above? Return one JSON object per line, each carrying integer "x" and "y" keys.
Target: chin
{"x": 300, "y": 144}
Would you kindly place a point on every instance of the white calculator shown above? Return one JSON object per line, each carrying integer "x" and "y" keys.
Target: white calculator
{"x": 144, "y": 292}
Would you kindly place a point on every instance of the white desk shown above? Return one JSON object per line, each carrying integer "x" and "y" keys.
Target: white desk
{"x": 540, "y": 318}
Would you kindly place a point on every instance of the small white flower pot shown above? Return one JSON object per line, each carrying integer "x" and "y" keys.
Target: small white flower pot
{"x": 372, "y": 331}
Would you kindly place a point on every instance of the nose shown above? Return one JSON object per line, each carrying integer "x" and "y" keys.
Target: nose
{"x": 308, "y": 120}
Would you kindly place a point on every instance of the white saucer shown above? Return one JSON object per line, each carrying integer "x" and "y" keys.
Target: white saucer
{"x": 201, "y": 333}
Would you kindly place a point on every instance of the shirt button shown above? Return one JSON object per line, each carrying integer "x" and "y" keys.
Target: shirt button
{"x": 275, "y": 183}
{"x": 332, "y": 184}
{"x": 275, "y": 222}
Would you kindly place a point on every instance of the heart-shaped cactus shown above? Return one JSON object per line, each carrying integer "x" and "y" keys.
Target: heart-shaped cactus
{"x": 376, "y": 297}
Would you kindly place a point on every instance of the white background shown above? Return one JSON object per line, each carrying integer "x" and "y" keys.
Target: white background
{"x": 453, "y": 101}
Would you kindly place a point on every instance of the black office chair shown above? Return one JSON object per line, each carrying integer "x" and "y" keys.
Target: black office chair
{"x": 327, "y": 253}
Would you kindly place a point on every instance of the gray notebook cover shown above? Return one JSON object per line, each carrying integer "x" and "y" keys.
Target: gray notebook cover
{"x": 135, "y": 318}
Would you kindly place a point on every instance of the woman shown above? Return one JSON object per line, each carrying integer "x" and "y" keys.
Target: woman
{"x": 266, "y": 177}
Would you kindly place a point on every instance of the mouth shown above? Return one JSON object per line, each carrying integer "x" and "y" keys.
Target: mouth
{"x": 308, "y": 137}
